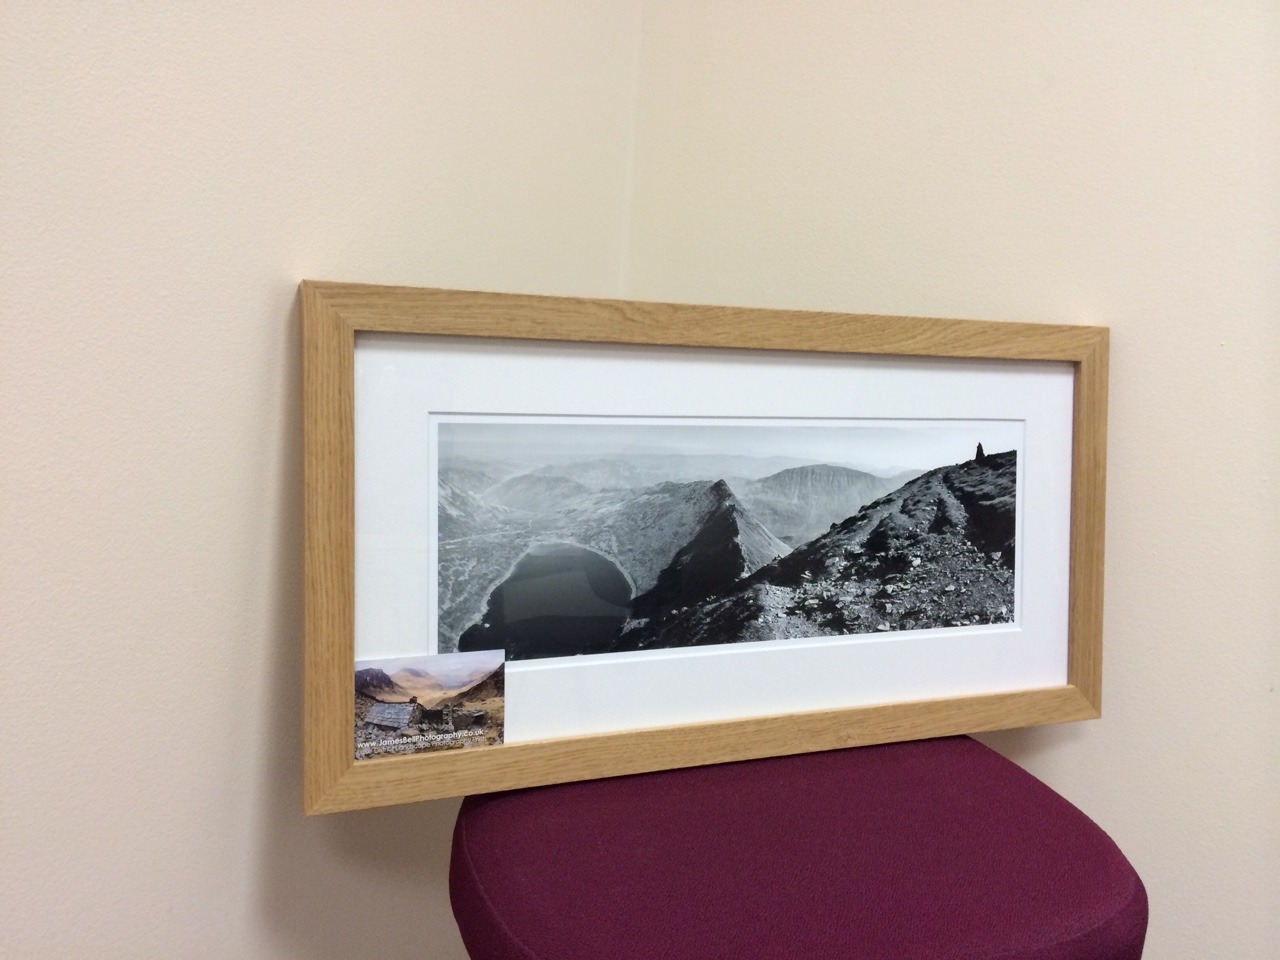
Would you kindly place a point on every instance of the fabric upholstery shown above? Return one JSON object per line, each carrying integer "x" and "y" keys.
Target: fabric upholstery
{"x": 932, "y": 850}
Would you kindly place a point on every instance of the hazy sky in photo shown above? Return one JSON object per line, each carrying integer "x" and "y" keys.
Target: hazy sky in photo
{"x": 883, "y": 446}
{"x": 449, "y": 668}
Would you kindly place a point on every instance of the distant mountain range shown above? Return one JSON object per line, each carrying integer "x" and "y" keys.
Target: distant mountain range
{"x": 407, "y": 683}
{"x": 643, "y": 470}
{"x": 489, "y": 686}
{"x": 537, "y": 493}
{"x": 801, "y": 503}
{"x": 476, "y": 475}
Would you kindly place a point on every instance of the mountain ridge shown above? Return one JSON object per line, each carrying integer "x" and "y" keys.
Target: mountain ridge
{"x": 728, "y": 545}
{"x": 939, "y": 551}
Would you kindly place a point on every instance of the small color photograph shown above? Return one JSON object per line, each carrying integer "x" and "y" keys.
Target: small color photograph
{"x": 415, "y": 704}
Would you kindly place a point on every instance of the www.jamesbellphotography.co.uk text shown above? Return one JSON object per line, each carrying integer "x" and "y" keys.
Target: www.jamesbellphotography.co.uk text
{"x": 559, "y": 537}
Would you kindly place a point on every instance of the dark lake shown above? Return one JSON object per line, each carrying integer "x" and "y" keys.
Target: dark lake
{"x": 559, "y": 600}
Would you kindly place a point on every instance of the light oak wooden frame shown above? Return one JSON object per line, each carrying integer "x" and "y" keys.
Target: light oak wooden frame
{"x": 332, "y": 315}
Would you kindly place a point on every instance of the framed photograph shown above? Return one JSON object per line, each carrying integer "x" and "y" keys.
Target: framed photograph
{"x": 551, "y": 539}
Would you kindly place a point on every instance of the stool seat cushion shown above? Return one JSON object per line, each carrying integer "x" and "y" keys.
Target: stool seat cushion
{"x": 932, "y": 850}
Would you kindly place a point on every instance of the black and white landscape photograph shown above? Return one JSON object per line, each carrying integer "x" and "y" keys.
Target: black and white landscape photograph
{"x": 559, "y": 537}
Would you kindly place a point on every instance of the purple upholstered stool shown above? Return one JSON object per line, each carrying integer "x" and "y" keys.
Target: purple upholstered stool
{"x": 936, "y": 850}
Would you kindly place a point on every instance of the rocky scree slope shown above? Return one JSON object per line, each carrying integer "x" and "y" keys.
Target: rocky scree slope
{"x": 937, "y": 552}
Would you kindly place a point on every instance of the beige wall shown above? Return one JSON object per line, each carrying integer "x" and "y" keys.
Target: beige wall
{"x": 170, "y": 171}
